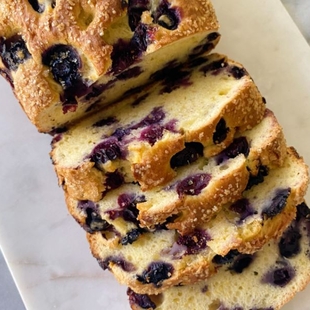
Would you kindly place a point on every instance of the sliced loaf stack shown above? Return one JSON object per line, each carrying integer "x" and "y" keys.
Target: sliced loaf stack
{"x": 169, "y": 157}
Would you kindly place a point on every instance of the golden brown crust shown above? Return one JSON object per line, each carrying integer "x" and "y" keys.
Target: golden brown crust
{"x": 153, "y": 168}
{"x": 84, "y": 182}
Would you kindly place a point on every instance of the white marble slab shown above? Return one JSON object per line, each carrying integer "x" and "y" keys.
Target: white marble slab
{"x": 45, "y": 249}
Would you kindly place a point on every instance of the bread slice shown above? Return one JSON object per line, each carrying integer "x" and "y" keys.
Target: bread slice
{"x": 173, "y": 259}
{"x": 267, "y": 279}
{"x": 65, "y": 59}
{"x": 141, "y": 137}
{"x": 266, "y": 148}
{"x": 264, "y": 145}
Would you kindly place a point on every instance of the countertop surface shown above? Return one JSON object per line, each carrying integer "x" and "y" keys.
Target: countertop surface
{"x": 9, "y": 296}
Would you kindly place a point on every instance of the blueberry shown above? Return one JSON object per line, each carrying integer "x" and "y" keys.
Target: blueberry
{"x": 139, "y": 100}
{"x": 303, "y": 212}
{"x": 165, "y": 16}
{"x": 196, "y": 61}
{"x": 95, "y": 222}
{"x": 132, "y": 236}
{"x": 127, "y": 208}
{"x": 194, "y": 242}
{"x": 174, "y": 80}
{"x": 162, "y": 73}
{"x": 156, "y": 273}
{"x": 125, "y": 53}
{"x": 221, "y": 132}
{"x": 213, "y": 36}
{"x": 117, "y": 260}
{"x": 289, "y": 244}
{"x": 227, "y": 259}
{"x": 107, "y": 150}
{"x": 214, "y": 66}
{"x": 113, "y": 180}
{"x": 263, "y": 171}
{"x": 237, "y": 72}
{"x": 105, "y": 122}
{"x": 140, "y": 300}
{"x": 279, "y": 276}
{"x": 191, "y": 152}
{"x": 193, "y": 185}
{"x": 243, "y": 208}
{"x": 13, "y": 52}
{"x": 154, "y": 117}
{"x": 130, "y": 73}
{"x": 135, "y": 10}
{"x": 277, "y": 204}
{"x": 241, "y": 262}
{"x": 36, "y": 6}
{"x": 238, "y": 146}
{"x": 96, "y": 89}
{"x": 152, "y": 134}
{"x": 64, "y": 63}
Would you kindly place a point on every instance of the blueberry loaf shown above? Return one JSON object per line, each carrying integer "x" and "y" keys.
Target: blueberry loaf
{"x": 263, "y": 146}
{"x": 173, "y": 259}
{"x": 140, "y": 138}
{"x": 66, "y": 58}
{"x": 267, "y": 279}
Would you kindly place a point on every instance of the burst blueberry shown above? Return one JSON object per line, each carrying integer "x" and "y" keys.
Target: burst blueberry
{"x": 156, "y": 273}
{"x": 193, "y": 185}
{"x": 13, "y": 52}
{"x": 191, "y": 152}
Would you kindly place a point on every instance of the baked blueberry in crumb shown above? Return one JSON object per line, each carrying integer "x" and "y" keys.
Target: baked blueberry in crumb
{"x": 64, "y": 63}
{"x": 107, "y": 150}
{"x": 279, "y": 276}
{"x": 113, "y": 180}
{"x": 130, "y": 73}
{"x": 125, "y": 53}
{"x": 213, "y": 36}
{"x": 127, "y": 208}
{"x": 105, "y": 121}
{"x": 13, "y": 52}
{"x": 263, "y": 171}
{"x": 303, "y": 212}
{"x": 38, "y": 7}
{"x": 237, "y": 72}
{"x": 221, "y": 132}
{"x": 289, "y": 244}
{"x": 132, "y": 236}
{"x": 135, "y": 10}
{"x": 277, "y": 204}
{"x": 227, "y": 259}
{"x": 156, "y": 273}
{"x": 238, "y": 146}
{"x": 95, "y": 222}
{"x": 194, "y": 242}
{"x": 141, "y": 300}
{"x": 191, "y": 152}
{"x": 152, "y": 134}
{"x": 116, "y": 260}
{"x": 166, "y": 16}
{"x": 243, "y": 208}
{"x": 214, "y": 66}
{"x": 193, "y": 185}
{"x": 241, "y": 262}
